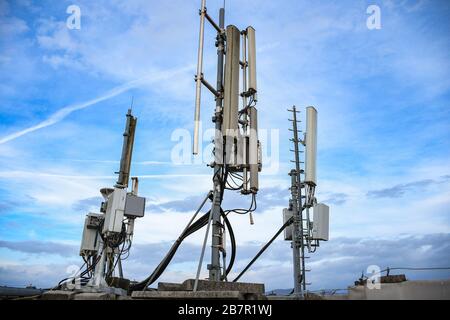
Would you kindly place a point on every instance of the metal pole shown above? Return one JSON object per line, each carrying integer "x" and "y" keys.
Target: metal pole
{"x": 199, "y": 77}
{"x": 119, "y": 264}
{"x": 295, "y": 247}
{"x": 214, "y": 267}
{"x": 200, "y": 262}
{"x": 99, "y": 272}
{"x": 298, "y": 214}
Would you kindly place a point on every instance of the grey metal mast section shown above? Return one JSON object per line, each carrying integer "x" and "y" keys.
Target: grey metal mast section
{"x": 217, "y": 231}
{"x": 235, "y": 150}
{"x": 297, "y": 207}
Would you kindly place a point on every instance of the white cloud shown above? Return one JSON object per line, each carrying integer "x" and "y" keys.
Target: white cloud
{"x": 64, "y": 112}
{"x": 11, "y": 26}
{"x": 336, "y": 265}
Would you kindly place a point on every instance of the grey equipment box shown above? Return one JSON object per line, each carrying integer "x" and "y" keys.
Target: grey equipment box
{"x": 134, "y": 206}
{"x": 91, "y": 236}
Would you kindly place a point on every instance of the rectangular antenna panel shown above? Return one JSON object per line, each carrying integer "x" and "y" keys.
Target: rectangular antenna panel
{"x": 311, "y": 145}
{"x": 287, "y": 214}
{"x": 252, "y": 87}
{"x": 115, "y": 210}
{"x": 231, "y": 85}
{"x": 321, "y": 220}
{"x": 253, "y": 157}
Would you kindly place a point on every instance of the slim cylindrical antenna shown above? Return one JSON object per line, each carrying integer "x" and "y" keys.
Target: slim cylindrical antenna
{"x": 198, "y": 78}
{"x": 127, "y": 151}
{"x": 135, "y": 185}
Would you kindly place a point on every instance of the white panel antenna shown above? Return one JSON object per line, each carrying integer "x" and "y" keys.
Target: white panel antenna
{"x": 231, "y": 84}
{"x": 311, "y": 146}
{"x": 251, "y": 40}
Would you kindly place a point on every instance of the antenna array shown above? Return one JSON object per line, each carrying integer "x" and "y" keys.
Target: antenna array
{"x": 236, "y": 146}
{"x": 304, "y": 234}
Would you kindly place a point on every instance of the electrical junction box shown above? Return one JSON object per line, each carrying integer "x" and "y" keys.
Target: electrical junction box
{"x": 321, "y": 219}
{"x": 134, "y": 206}
{"x": 115, "y": 210}
{"x": 91, "y": 235}
{"x": 287, "y": 214}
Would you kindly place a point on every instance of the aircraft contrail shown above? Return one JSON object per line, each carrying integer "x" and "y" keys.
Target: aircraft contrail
{"x": 64, "y": 112}
{"x": 33, "y": 174}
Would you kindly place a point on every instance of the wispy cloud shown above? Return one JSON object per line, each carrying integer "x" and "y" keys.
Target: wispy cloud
{"x": 39, "y": 247}
{"x": 32, "y": 174}
{"x": 336, "y": 198}
{"x": 399, "y": 190}
{"x": 64, "y": 112}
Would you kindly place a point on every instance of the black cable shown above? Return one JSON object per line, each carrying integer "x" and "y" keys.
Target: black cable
{"x": 252, "y": 208}
{"x": 264, "y": 248}
{"x": 233, "y": 244}
{"x": 236, "y": 185}
{"x": 111, "y": 271}
{"x": 83, "y": 274}
{"x": 198, "y": 224}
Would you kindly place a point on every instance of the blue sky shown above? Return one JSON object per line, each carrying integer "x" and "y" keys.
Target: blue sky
{"x": 383, "y": 98}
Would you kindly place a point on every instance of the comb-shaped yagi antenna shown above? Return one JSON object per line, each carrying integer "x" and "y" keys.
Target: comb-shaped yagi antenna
{"x": 198, "y": 77}
{"x": 311, "y": 146}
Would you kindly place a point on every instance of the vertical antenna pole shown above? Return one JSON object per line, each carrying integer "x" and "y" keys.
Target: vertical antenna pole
{"x": 200, "y": 262}
{"x": 297, "y": 240}
{"x": 295, "y": 248}
{"x": 198, "y": 78}
{"x": 135, "y": 185}
{"x": 214, "y": 267}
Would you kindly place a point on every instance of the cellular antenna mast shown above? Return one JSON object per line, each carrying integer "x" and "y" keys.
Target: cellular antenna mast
{"x": 107, "y": 236}
{"x": 298, "y": 246}
{"x": 236, "y": 145}
{"x": 304, "y": 233}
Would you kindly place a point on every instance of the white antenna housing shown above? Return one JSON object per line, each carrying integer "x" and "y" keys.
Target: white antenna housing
{"x": 252, "y": 87}
{"x": 198, "y": 78}
{"x": 231, "y": 85}
{"x": 321, "y": 222}
{"x": 311, "y": 146}
{"x": 253, "y": 149}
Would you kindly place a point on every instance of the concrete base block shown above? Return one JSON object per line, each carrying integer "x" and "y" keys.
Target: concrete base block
{"x": 205, "y": 285}
{"x": 174, "y": 295}
{"x": 58, "y": 295}
{"x": 407, "y": 290}
{"x": 95, "y": 296}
